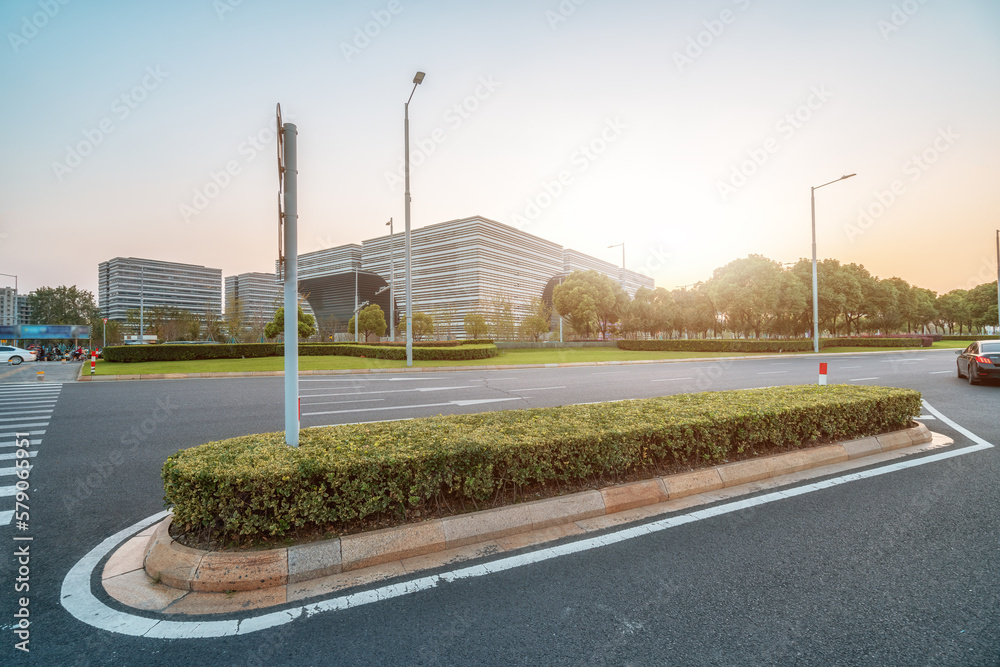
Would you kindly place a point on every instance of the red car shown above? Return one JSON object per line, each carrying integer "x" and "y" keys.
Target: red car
{"x": 980, "y": 361}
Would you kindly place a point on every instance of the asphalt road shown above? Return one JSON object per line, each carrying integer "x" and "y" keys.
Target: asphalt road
{"x": 899, "y": 568}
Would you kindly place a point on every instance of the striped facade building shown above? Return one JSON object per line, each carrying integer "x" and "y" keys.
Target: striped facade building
{"x": 458, "y": 267}
{"x": 123, "y": 283}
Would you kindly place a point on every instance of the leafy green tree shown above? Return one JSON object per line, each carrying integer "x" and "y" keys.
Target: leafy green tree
{"x": 62, "y": 305}
{"x": 307, "y": 324}
{"x": 423, "y": 325}
{"x": 501, "y": 318}
{"x": 590, "y": 301}
{"x": 538, "y": 321}
{"x": 475, "y": 326}
{"x": 371, "y": 321}
{"x": 746, "y": 293}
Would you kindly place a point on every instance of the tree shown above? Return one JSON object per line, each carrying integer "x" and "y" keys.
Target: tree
{"x": 62, "y": 305}
{"x": 235, "y": 325}
{"x": 475, "y": 326}
{"x": 501, "y": 318}
{"x": 307, "y": 324}
{"x": 590, "y": 301}
{"x": 746, "y": 293}
{"x": 537, "y": 323}
{"x": 423, "y": 325}
{"x": 371, "y": 320}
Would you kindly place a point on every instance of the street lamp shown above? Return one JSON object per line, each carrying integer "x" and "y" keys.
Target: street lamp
{"x": 622, "y": 244}
{"x": 998, "y": 282}
{"x": 392, "y": 274}
{"x": 815, "y": 288}
{"x": 14, "y": 310}
{"x": 417, "y": 80}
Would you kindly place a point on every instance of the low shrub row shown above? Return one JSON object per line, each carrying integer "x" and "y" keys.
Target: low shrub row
{"x": 758, "y": 345}
{"x": 255, "y": 487}
{"x": 430, "y": 351}
{"x": 971, "y": 338}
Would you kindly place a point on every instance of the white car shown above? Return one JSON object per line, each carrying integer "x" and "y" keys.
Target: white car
{"x": 15, "y": 355}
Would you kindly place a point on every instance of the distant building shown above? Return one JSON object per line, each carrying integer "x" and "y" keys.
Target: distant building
{"x": 14, "y": 308}
{"x": 259, "y": 296}
{"x": 123, "y": 283}
{"x": 458, "y": 267}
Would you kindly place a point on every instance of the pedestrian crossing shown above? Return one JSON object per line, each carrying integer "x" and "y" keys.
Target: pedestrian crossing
{"x": 24, "y": 408}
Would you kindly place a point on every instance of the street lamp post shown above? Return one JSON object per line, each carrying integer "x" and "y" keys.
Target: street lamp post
{"x": 142, "y": 292}
{"x": 417, "y": 80}
{"x": 13, "y": 318}
{"x": 998, "y": 282}
{"x": 392, "y": 275}
{"x": 356, "y": 318}
{"x": 622, "y": 244}
{"x": 814, "y": 281}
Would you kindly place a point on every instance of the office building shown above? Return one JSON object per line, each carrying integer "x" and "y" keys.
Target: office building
{"x": 259, "y": 295}
{"x": 14, "y": 307}
{"x": 126, "y": 282}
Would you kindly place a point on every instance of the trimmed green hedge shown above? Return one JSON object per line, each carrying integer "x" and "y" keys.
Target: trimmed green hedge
{"x": 757, "y": 345}
{"x": 971, "y": 338}
{"x": 255, "y": 486}
{"x": 424, "y": 352}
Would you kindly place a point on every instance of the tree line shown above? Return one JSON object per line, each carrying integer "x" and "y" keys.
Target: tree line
{"x": 757, "y": 297}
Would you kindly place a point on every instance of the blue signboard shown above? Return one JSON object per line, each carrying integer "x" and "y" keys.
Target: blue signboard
{"x": 46, "y": 331}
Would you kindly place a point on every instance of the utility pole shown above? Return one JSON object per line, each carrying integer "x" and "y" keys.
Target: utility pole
{"x": 289, "y": 177}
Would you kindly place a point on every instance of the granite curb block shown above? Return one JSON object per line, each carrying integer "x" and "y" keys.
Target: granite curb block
{"x": 86, "y": 377}
{"x": 167, "y": 562}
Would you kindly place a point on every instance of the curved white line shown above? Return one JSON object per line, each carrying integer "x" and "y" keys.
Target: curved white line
{"x": 79, "y": 600}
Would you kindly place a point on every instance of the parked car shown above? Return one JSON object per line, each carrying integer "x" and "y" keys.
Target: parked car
{"x": 980, "y": 361}
{"x": 15, "y": 355}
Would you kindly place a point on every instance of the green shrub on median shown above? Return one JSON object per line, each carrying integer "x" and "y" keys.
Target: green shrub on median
{"x": 255, "y": 487}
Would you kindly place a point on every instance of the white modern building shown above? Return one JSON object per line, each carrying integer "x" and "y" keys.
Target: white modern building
{"x": 458, "y": 267}
{"x": 123, "y": 283}
{"x": 259, "y": 295}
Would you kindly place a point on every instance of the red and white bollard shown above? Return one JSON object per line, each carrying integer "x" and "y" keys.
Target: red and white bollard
{"x": 93, "y": 362}
{"x": 822, "y": 373}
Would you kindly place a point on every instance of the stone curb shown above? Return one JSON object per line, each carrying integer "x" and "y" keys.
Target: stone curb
{"x": 85, "y": 377}
{"x": 180, "y": 567}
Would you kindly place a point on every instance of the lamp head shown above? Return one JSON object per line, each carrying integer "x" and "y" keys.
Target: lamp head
{"x": 419, "y": 78}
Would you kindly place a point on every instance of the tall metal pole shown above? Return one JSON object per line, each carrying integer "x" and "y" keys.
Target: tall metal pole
{"x": 142, "y": 293}
{"x": 812, "y": 197}
{"x": 998, "y": 282}
{"x": 289, "y": 131}
{"x": 406, "y": 201}
{"x": 357, "y": 315}
{"x": 392, "y": 297}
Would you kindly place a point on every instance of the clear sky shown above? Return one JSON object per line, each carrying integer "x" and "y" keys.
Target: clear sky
{"x": 692, "y": 131}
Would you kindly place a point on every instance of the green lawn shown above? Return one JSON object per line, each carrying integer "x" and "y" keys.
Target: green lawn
{"x": 507, "y": 357}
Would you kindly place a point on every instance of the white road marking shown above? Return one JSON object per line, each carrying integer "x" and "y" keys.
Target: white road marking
{"x": 386, "y": 391}
{"x": 6, "y": 517}
{"x": 411, "y": 407}
{"x": 13, "y": 471}
{"x": 610, "y": 373}
{"x": 371, "y": 379}
{"x": 13, "y": 443}
{"x": 670, "y": 379}
{"x": 536, "y": 389}
{"x": 940, "y": 372}
{"x": 926, "y": 417}
{"x": 861, "y": 379}
{"x": 78, "y": 598}
{"x": 771, "y": 372}
{"x": 845, "y": 368}
{"x": 13, "y": 455}
{"x": 360, "y": 400}
{"x": 27, "y": 414}
{"x": 11, "y": 434}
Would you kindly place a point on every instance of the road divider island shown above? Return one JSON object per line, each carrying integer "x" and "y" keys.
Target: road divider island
{"x": 254, "y": 491}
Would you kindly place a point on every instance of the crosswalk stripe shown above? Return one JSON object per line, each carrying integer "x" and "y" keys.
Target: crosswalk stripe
{"x": 12, "y": 471}
{"x": 12, "y": 456}
{"x": 6, "y": 491}
{"x": 14, "y": 443}
{"x": 6, "y": 517}
{"x": 11, "y": 434}
{"x": 42, "y": 414}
